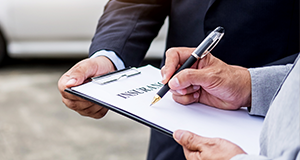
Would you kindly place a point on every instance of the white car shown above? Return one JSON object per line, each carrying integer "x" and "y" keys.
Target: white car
{"x": 54, "y": 28}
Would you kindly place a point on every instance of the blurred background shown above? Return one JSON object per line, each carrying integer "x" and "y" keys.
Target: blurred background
{"x": 39, "y": 41}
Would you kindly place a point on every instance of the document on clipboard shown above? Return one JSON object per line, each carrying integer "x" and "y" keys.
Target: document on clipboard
{"x": 129, "y": 92}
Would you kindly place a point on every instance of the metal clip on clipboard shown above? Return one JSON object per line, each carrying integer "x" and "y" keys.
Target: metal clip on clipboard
{"x": 115, "y": 76}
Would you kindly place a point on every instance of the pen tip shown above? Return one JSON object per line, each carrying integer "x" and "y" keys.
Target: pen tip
{"x": 155, "y": 99}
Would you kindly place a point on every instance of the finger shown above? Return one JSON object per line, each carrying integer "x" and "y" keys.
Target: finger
{"x": 186, "y": 99}
{"x": 86, "y": 108}
{"x": 91, "y": 110}
{"x": 101, "y": 113}
{"x": 66, "y": 95}
{"x": 62, "y": 85}
{"x": 188, "y": 140}
{"x": 174, "y": 58}
{"x": 94, "y": 111}
{"x": 186, "y": 78}
{"x": 185, "y": 91}
{"x": 171, "y": 64}
{"x": 199, "y": 74}
{"x": 77, "y": 105}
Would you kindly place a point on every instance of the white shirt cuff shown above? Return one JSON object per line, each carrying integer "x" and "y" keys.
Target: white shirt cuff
{"x": 112, "y": 56}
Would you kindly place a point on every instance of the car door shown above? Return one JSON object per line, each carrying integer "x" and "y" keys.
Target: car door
{"x": 48, "y": 22}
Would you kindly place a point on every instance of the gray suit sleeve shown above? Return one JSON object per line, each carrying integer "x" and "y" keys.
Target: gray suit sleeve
{"x": 265, "y": 82}
{"x": 293, "y": 155}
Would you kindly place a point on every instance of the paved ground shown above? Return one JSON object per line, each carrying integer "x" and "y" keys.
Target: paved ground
{"x": 35, "y": 124}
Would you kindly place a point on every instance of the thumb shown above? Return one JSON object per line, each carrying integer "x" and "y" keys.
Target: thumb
{"x": 177, "y": 135}
{"x": 77, "y": 76}
{"x": 86, "y": 69}
{"x": 187, "y": 139}
{"x": 71, "y": 82}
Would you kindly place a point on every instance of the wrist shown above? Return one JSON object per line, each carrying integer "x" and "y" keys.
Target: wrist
{"x": 247, "y": 89}
{"x": 104, "y": 64}
{"x": 244, "y": 86}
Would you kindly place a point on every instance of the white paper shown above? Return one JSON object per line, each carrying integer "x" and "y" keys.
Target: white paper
{"x": 236, "y": 126}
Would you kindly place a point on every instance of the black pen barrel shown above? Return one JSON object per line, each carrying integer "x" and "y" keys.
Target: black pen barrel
{"x": 191, "y": 60}
{"x": 187, "y": 64}
{"x": 163, "y": 90}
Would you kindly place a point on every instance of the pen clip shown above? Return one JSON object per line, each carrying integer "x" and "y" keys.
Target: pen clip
{"x": 213, "y": 45}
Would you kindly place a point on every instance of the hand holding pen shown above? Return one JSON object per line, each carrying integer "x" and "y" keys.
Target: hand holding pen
{"x": 201, "y": 51}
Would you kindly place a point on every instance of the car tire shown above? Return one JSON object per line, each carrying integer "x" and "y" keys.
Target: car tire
{"x": 3, "y": 51}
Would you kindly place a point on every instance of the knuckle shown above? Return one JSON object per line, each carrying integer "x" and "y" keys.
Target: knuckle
{"x": 169, "y": 51}
{"x": 189, "y": 140}
{"x": 213, "y": 76}
{"x": 220, "y": 141}
{"x": 189, "y": 74}
{"x": 217, "y": 140}
{"x": 214, "y": 141}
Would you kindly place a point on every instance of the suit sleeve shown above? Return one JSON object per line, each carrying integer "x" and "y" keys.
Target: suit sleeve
{"x": 264, "y": 83}
{"x": 128, "y": 27}
{"x": 291, "y": 155}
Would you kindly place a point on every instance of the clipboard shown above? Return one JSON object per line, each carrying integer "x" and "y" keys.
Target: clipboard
{"x": 117, "y": 76}
{"x": 129, "y": 93}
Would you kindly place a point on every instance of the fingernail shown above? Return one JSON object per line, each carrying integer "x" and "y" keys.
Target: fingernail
{"x": 71, "y": 82}
{"x": 174, "y": 82}
{"x": 163, "y": 77}
{"x": 178, "y": 134}
{"x": 162, "y": 73}
{"x": 196, "y": 95}
{"x": 180, "y": 91}
{"x": 196, "y": 87}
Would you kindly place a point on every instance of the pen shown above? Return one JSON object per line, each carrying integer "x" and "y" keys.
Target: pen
{"x": 201, "y": 51}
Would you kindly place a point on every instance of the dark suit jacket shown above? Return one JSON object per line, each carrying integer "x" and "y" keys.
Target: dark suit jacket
{"x": 257, "y": 32}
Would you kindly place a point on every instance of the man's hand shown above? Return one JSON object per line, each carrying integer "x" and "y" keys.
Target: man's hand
{"x": 77, "y": 75}
{"x": 196, "y": 147}
{"x": 209, "y": 81}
